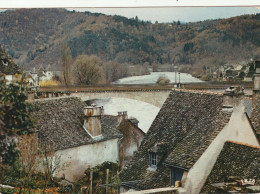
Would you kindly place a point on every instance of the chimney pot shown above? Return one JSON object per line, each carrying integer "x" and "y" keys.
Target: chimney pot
{"x": 92, "y": 119}
{"x": 232, "y": 96}
{"x": 122, "y": 115}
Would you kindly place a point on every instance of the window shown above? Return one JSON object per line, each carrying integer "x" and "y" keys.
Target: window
{"x": 153, "y": 159}
{"x": 176, "y": 175}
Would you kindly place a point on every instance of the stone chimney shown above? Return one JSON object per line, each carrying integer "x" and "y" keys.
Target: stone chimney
{"x": 256, "y": 90}
{"x": 122, "y": 116}
{"x": 92, "y": 119}
{"x": 232, "y": 97}
{"x": 134, "y": 121}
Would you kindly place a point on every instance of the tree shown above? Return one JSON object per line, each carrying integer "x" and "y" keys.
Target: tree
{"x": 15, "y": 116}
{"x": 88, "y": 70}
{"x": 114, "y": 71}
{"x": 50, "y": 162}
{"x": 65, "y": 62}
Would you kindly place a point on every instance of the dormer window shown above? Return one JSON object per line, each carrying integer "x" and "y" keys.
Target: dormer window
{"x": 153, "y": 159}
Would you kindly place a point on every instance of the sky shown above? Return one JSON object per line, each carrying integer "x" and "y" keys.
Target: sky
{"x": 169, "y": 14}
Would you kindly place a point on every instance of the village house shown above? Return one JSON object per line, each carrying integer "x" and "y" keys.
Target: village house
{"x": 186, "y": 138}
{"x": 82, "y": 136}
{"x": 41, "y": 74}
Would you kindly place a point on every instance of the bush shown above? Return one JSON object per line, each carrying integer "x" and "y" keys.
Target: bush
{"x": 162, "y": 80}
{"x": 7, "y": 190}
{"x": 99, "y": 177}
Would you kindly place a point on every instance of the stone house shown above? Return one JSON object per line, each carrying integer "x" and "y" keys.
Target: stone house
{"x": 185, "y": 140}
{"x": 82, "y": 136}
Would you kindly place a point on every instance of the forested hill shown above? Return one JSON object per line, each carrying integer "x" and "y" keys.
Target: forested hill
{"x": 34, "y": 37}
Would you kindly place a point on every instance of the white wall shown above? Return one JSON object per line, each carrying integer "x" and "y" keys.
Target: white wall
{"x": 238, "y": 129}
{"x": 48, "y": 75}
{"x": 79, "y": 158}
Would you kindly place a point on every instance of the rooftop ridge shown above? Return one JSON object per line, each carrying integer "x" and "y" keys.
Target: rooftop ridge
{"x": 244, "y": 144}
{"x": 198, "y": 91}
{"x": 56, "y": 98}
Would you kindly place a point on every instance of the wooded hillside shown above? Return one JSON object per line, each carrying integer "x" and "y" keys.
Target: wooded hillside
{"x": 34, "y": 37}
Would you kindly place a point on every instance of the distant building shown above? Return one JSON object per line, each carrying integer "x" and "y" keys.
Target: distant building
{"x": 185, "y": 140}
{"x": 41, "y": 74}
{"x": 83, "y": 136}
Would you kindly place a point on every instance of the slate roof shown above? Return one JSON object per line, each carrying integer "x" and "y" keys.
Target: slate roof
{"x": 248, "y": 106}
{"x": 61, "y": 121}
{"x": 7, "y": 65}
{"x": 186, "y": 125}
{"x": 235, "y": 159}
{"x": 255, "y": 117}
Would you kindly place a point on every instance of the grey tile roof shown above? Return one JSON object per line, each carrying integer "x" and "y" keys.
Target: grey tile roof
{"x": 186, "y": 124}
{"x": 60, "y": 121}
{"x": 234, "y": 160}
{"x": 248, "y": 106}
{"x": 189, "y": 150}
{"x": 255, "y": 117}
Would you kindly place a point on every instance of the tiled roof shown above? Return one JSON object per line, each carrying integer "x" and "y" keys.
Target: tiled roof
{"x": 189, "y": 150}
{"x": 234, "y": 160}
{"x": 186, "y": 124}
{"x": 248, "y": 106}
{"x": 60, "y": 121}
{"x": 255, "y": 116}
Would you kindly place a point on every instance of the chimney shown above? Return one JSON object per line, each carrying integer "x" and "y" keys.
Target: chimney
{"x": 232, "y": 97}
{"x": 122, "y": 116}
{"x": 134, "y": 121}
{"x": 256, "y": 90}
{"x": 92, "y": 119}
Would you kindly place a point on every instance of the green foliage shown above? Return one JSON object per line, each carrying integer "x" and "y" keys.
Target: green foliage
{"x": 99, "y": 176}
{"x": 15, "y": 113}
{"x": 188, "y": 47}
{"x": 7, "y": 190}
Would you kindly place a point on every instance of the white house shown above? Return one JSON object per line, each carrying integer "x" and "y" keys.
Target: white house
{"x": 80, "y": 136}
{"x": 186, "y": 138}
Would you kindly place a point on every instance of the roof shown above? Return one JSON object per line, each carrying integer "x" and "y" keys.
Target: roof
{"x": 7, "y": 65}
{"x": 248, "y": 104}
{"x": 257, "y": 64}
{"x": 185, "y": 125}
{"x": 60, "y": 121}
{"x": 255, "y": 118}
{"x": 234, "y": 160}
